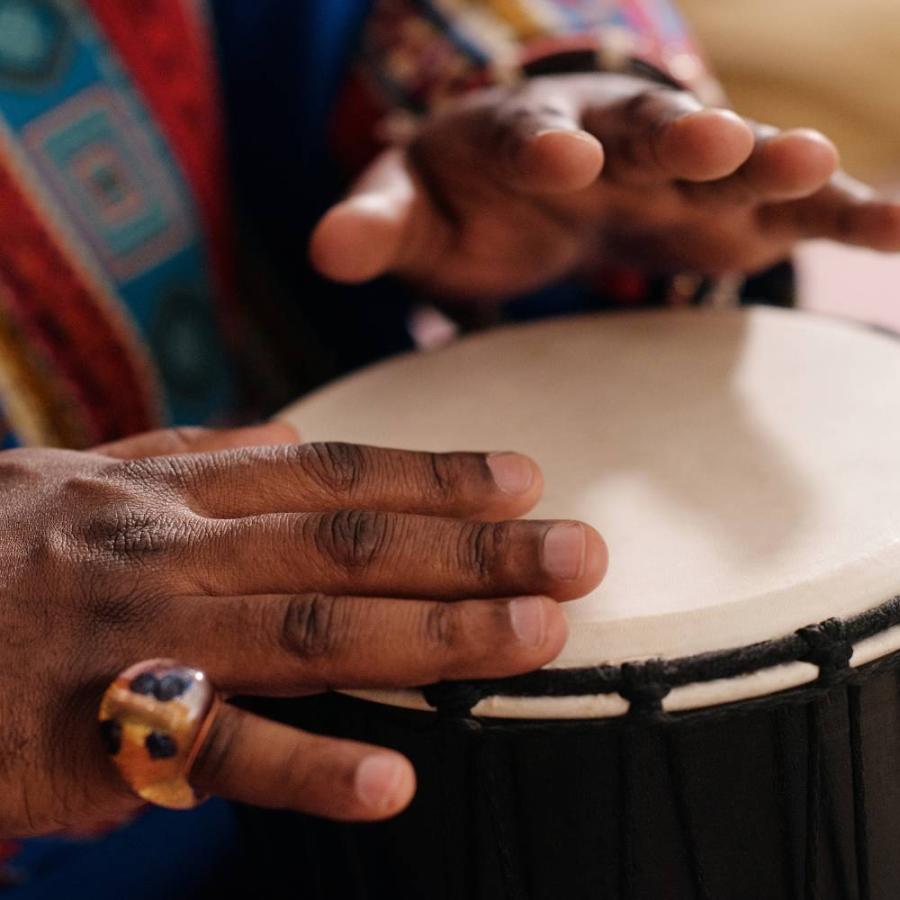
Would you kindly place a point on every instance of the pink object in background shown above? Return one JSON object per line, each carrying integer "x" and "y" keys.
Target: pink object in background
{"x": 856, "y": 284}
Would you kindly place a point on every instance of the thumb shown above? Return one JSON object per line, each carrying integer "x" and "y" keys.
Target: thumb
{"x": 172, "y": 441}
{"x": 364, "y": 236}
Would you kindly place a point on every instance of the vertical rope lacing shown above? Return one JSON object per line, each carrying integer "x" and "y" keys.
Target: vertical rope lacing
{"x": 678, "y": 779}
{"x": 860, "y": 819}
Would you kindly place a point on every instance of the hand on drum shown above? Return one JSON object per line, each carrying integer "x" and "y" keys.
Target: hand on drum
{"x": 280, "y": 571}
{"x": 511, "y": 189}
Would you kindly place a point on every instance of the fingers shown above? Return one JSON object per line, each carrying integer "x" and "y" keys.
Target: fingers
{"x": 531, "y": 142}
{"x": 540, "y": 147}
{"x": 252, "y": 760}
{"x": 171, "y": 441}
{"x": 783, "y": 165}
{"x": 380, "y": 554}
{"x": 367, "y": 234}
{"x": 313, "y": 477}
{"x": 846, "y": 210}
{"x": 312, "y": 642}
{"x": 657, "y": 135}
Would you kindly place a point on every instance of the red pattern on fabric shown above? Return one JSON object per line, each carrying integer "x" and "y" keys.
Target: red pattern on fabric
{"x": 61, "y": 314}
{"x": 166, "y": 47}
{"x": 355, "y": 124}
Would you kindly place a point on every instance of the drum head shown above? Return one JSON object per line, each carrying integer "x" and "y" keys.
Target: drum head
{"x": 744, "y": 468}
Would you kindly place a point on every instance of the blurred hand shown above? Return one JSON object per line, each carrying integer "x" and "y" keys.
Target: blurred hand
{"x": 511, "y": 189}
{"x": 279, "y": 570}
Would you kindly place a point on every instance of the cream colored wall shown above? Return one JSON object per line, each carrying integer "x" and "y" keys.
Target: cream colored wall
{"x": 829, "y": 64}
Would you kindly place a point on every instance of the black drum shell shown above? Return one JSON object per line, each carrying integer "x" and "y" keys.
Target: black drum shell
{"x": 796, "y": 796}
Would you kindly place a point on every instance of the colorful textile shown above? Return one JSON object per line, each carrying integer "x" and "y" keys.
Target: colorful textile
{"x": 114, "y": 259}
{"x": 112, "y": 235}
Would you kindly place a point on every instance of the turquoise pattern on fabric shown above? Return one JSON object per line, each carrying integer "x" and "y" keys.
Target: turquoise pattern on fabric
{"x": 102, "y": 160}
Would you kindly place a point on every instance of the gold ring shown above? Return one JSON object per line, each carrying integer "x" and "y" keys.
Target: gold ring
{"x": 154, "y": 719}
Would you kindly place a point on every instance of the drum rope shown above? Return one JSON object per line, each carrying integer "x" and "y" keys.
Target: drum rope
{"x": 813, "y": 799}
{"x": 678, "y": 779}
{"x": 626, "y": 815}
{"x": 860, "y": 817}
{"x": 444, "y": 738}
{"x": 828, "y": 645}
{"x": 783, "y": 790}
{"x": 831, "y": 649}
{"x": 685, "y": 719}
{"x": 499, "y": 791}
{"x": 839, "y": 860}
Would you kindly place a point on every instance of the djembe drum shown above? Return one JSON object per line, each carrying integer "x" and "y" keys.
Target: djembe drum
{"x": 724, "y": 722}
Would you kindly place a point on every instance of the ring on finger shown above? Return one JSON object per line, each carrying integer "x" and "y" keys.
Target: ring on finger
{"x": 154, "y": 719}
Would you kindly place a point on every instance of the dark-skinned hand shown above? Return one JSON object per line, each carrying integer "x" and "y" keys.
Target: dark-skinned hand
{"x": 279, "y": 569}
{"x": 510, "y": 189}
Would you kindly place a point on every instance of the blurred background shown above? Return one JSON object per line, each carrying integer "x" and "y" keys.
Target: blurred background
{"x": 832, "y": 65}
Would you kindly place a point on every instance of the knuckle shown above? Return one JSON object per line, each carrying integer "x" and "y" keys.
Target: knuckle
{"x": 442, "y": 627}
{"x": 509, "y": 128}
{"x": 445, "y": 475}
{"x": 482, "y": 547}
{"x": 844, "y": 220}
{"x": 310, "y": 627}
{"x": 338, "y": 468}
{"x": 211, "y": 770}
{"x": 155, "y": 476}
{"x": 647, "y": 104}
{"x": 452, "y": 477}
{"x": 89, "y": 490}
{"x": 125, "y": 532}
{"x": 293, "y": 774}
{"x": 353, "y": 539}
{"x": 124, "y": 611}
{"x": 132, "y": 533}
{"x": 18, "y": 467}
{"x": 138, "y": 470}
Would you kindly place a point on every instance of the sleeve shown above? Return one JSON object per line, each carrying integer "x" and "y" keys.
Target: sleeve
{"x": 418, "y": 54}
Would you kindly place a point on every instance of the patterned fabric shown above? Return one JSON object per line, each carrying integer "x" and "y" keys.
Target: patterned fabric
{"x": 113, "y": 239}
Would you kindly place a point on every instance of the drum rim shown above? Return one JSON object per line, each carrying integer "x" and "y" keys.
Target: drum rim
{"x": 852, "y": 677}
{"x": 829, "y": 645}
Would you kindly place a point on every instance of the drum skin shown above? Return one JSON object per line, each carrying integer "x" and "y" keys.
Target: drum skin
{"x": 741, "y": 466}
{"x": 757, "y": 801}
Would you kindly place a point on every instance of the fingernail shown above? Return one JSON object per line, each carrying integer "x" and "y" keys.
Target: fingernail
{"x": 377, "y": 780}
{"x": 563, "y": 551}
{"x": 529, "y": 620}
{"x": 513, "y": 473}
{"x": 568, "y": 132}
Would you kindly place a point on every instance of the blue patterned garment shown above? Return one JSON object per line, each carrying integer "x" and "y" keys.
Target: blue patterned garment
{"x": 83, "y": 158}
